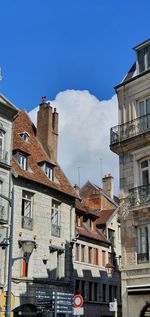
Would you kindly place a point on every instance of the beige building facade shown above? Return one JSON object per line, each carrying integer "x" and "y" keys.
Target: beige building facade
{"x": 131, "y": 141}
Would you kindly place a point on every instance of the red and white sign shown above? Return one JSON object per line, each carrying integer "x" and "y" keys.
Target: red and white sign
{"x": 78, "y": 301}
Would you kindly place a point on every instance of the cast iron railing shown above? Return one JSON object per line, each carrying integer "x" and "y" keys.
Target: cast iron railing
{"x": 142, "y": 257}
{"x": 139, "y": 196}
{"x": 130, "y": 129}
{"x": 55, "y": 230}
{"x": 2, "y": 212}
{"x": 27, "y": 223}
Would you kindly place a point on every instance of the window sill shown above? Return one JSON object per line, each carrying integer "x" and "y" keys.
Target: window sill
{"x": 90, "y": 264}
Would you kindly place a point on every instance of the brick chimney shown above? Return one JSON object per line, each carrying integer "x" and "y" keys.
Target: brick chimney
{"x": 108, "y": 185}
{"x": 47, "y": 129}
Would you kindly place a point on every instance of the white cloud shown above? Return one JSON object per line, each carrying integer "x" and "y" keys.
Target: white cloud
{"x": 84, "y": 135}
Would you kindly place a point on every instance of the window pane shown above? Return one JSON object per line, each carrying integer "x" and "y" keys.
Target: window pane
{"x": 141, "y": 108}
{"x": 148, "y": 106}
{"x": 141, "y": 55}
{"x": 145, "y": 177}
{"x": 144, "y": 164}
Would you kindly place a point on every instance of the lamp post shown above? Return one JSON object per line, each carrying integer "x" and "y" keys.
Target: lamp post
{"x": 5, "y": 243}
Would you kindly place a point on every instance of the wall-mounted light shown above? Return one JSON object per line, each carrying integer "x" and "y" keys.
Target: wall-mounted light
{"x": 27, "y": 248}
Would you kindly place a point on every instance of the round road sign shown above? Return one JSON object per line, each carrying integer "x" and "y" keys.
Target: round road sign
{"x": 78, "y": 301}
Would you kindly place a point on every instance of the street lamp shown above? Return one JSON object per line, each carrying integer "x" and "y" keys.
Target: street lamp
{"x": 27, "y": 248}
{"x": 5, "y": 243}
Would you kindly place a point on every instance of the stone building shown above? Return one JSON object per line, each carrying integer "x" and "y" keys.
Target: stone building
{"x": 43, "y": 212}
{"x": 131, "y": 141}
{"x": 7, "y": 113}
{"x": 97, "y": 249}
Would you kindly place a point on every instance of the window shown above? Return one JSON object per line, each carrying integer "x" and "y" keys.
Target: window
{"x": 24, "y": 136}
{"x": 110, "y": 258}
{"x": 111, "y": 237}
{"x": 90, "y": 254}
{"x": 143, "y": 244}
{"x": 55, "y": 218}
{"x": 144, "y": 107}
{"x": 82, "y": 253}
{"x": 79, "y": 220}
{"x": 104, "y": 293}
{"x": 1, "y": 143}
{"x": 77, "y": 252}
{"x": 95, "y": 292}
{"x": 110, "y": 293}
{"x": 22, "y": 160}
{"x": 103, "y": 258}
{"x": 145, "y": 172}
{"x": 49, "y": 171}
{"x": 144, "y": 59}
{"x": 96, "y": 256}
{"x": 90, "y": 291}
{"x": 27, "y": 221}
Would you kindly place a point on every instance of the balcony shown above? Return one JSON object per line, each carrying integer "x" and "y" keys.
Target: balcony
{"x": 55, "y": 230}
{"x": 125, "y": 132}
{"x": 27, "y": 223}
{"x": 139, "y": 196}
{"x": 4, "y": 157}
{"x": 142, "y": 258}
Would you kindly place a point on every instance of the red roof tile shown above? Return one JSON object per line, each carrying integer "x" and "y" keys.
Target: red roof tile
{"x": 104, "y": 215}
{"x": 36, "y": 153}
{"x": 94, "y": 234}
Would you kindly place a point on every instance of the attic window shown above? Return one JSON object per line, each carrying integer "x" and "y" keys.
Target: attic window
{"x": 24, "y": 136}
{"x": 22, "y": 160}
{"x": 144, "y": 58}
{"x": 49, "y": 171}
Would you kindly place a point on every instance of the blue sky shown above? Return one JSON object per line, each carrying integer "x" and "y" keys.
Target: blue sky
{"x": 48, "y": 46}
{"x": 73, "y": 52}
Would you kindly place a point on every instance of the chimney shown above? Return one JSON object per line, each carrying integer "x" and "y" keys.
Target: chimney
{"x": 47, "y": 129}
{"x": 77, "y": 189}
{"x": 108, "y": 185}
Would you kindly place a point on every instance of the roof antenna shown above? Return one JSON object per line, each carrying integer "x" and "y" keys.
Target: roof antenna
{"x": 79, "y": 175}
{"x": 101, "y": 166}
{"x": 1, "y": 74}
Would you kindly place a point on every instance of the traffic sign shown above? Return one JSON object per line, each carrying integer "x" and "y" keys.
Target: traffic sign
{"x": 78, "y": 301}
{"x": 77, "y": 311}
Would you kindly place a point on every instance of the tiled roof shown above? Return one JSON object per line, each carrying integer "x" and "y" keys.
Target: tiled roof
{"x": 36, "y": 153}
{"x": 104, "y": 215}
{"x": 94, "y": 234}
{"x": 82, "y": 206}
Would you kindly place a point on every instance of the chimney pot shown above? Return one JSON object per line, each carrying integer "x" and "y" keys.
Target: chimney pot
{"x": 44, "y": 99}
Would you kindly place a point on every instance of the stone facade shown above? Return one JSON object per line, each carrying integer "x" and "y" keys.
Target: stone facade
{"x": 131, "y": 141}
{"x": 96, "y": 259}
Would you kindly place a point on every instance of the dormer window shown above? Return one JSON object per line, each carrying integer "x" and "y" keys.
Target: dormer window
{"x": 24, "y": 136}
{"x": 22, "y": 160}
{"x": 143, "y": 58}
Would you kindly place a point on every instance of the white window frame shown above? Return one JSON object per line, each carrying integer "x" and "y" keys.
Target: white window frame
{"x": 49, "y": 171}
{"x": 22, "y": 160}
{"x": 144, "y": 101}
{"x": 24, "y": 136}
{"x": 55, "y": 213}
{"x": 140, "y": 242}
{"x": 27, "y": 197}
{"x": 144, "y": 169}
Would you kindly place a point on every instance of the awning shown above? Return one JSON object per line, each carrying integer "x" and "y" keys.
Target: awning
{"x": 55, "y": 248}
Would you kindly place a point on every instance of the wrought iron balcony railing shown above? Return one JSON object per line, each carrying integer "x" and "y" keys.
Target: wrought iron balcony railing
{"x": 2, "y": 213}
{"x": 27, "y": 223}
{"x": 139, "y": 196}
{"x": 142, "y": 257}
{"x": 130, "y": 129}
{"x": 4, "y": 156}
{"x": 55, "y": 230}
